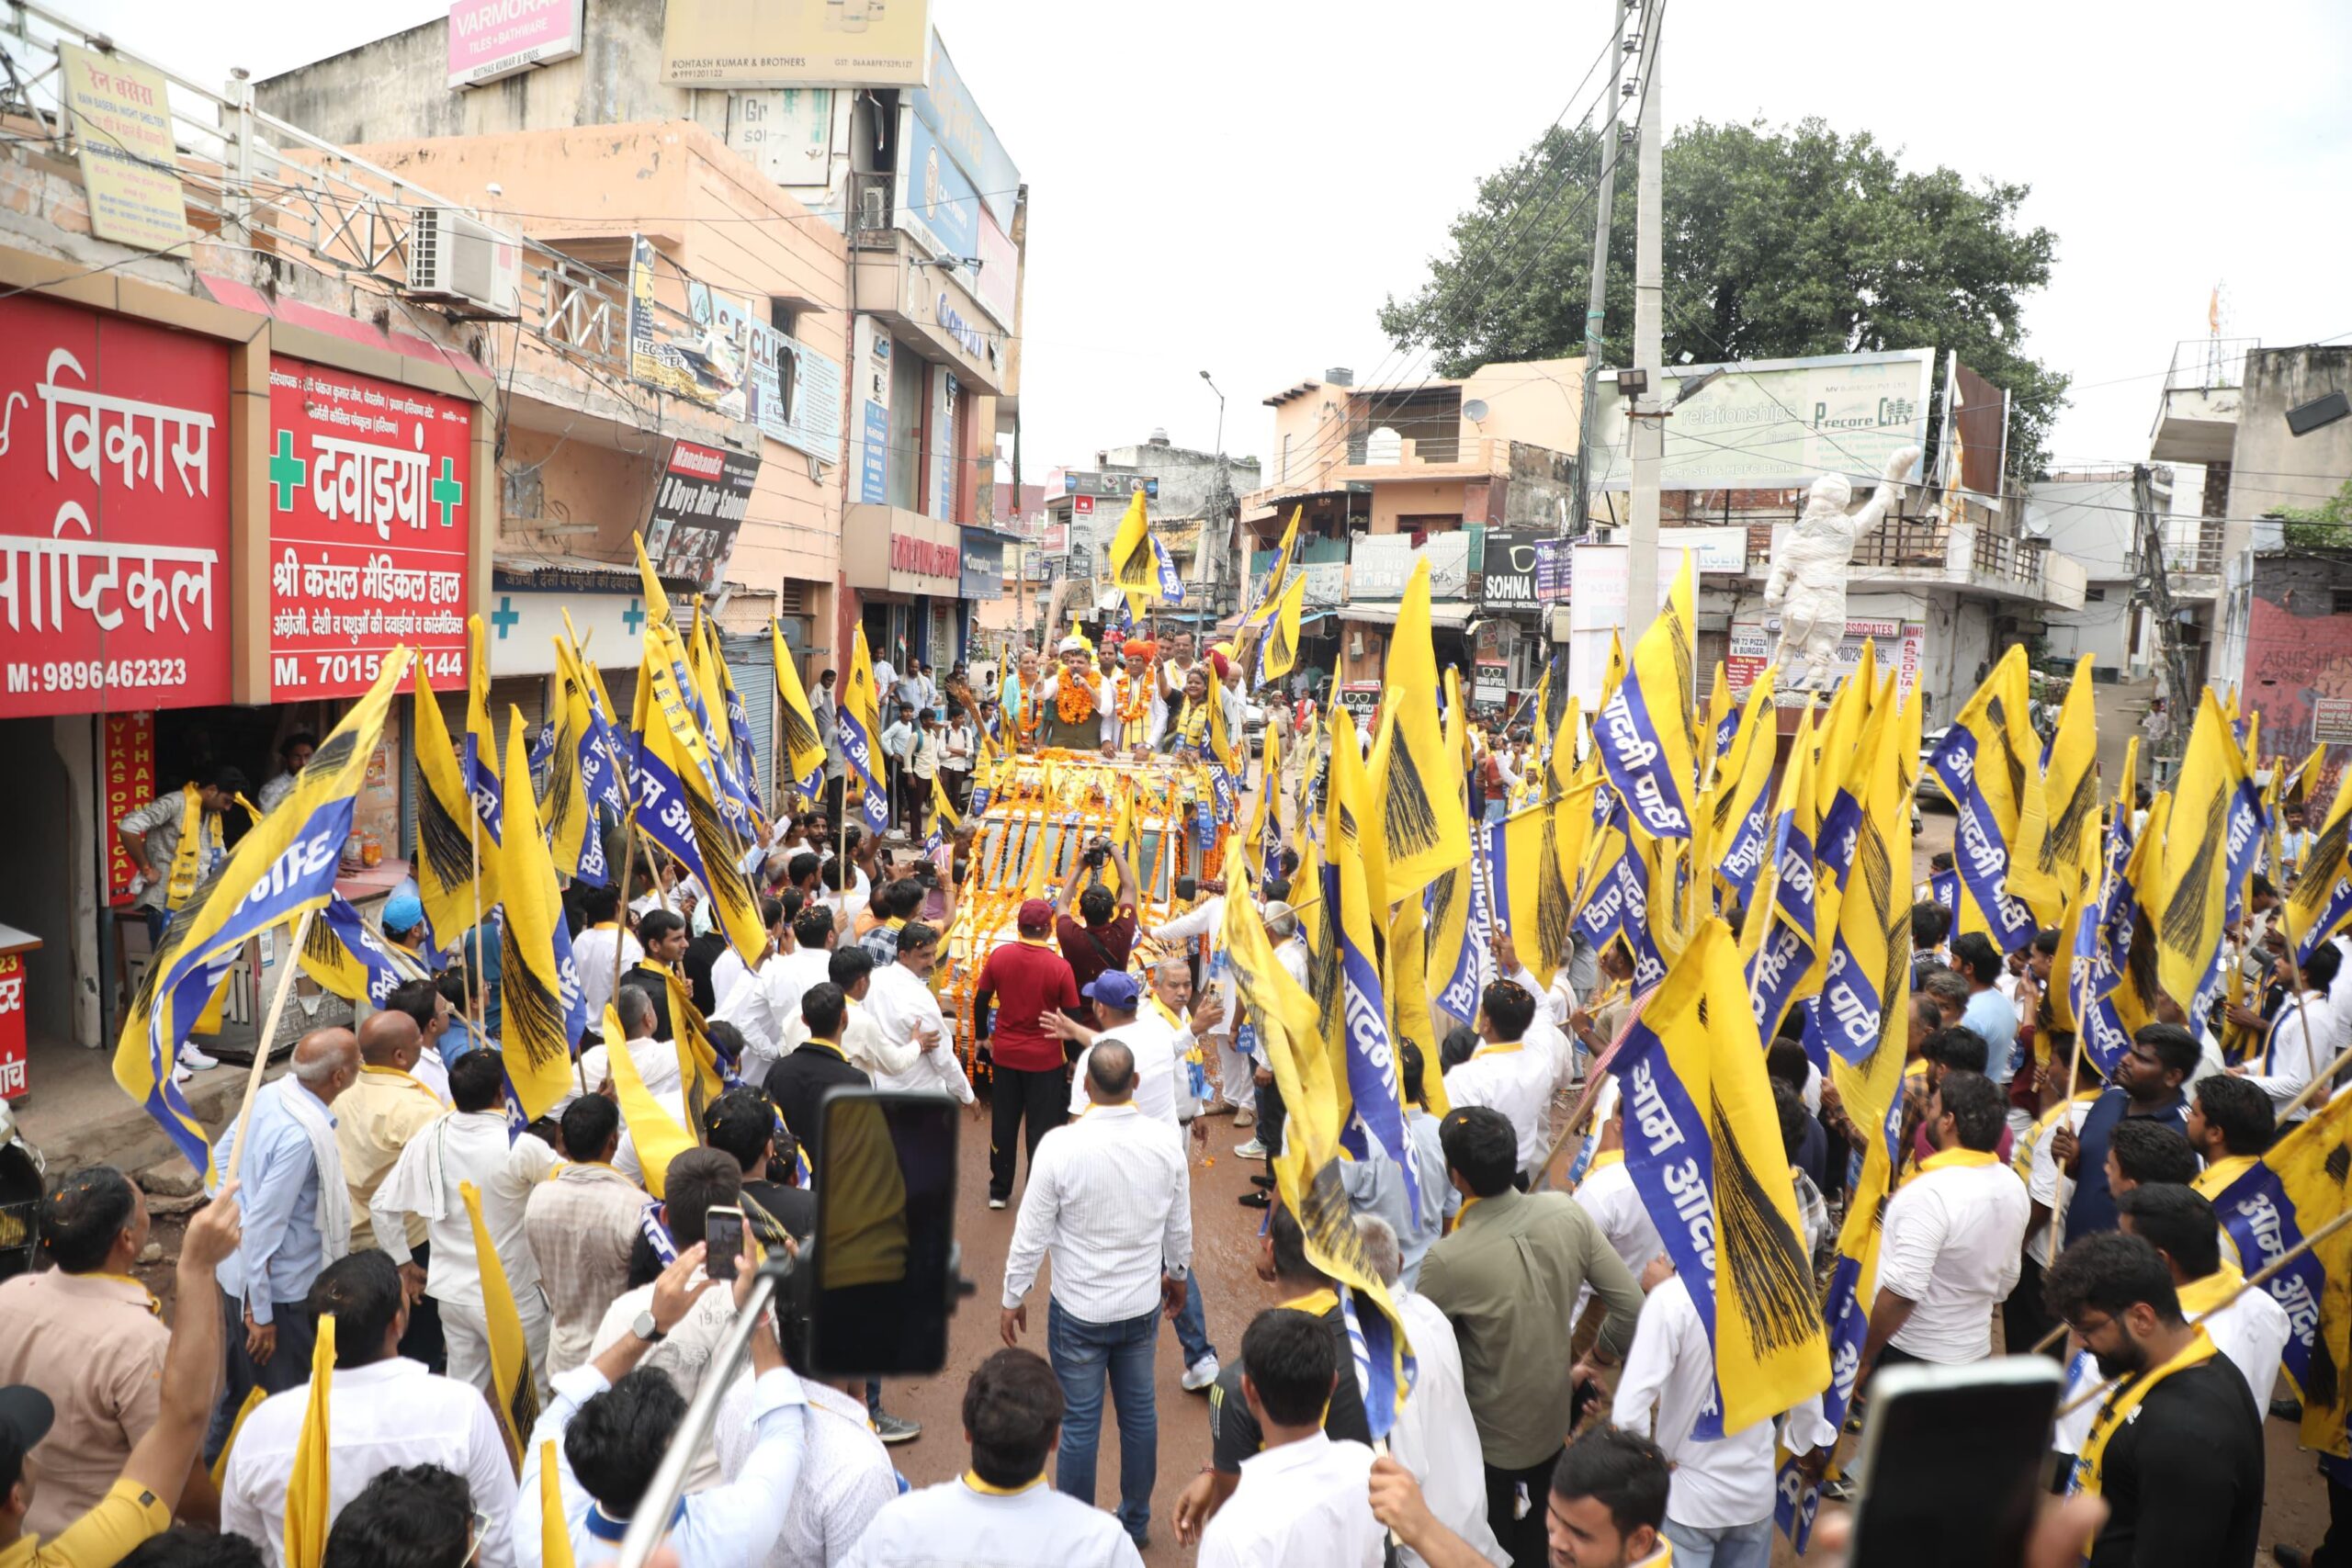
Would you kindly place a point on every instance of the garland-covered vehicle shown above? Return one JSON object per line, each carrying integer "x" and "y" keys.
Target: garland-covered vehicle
{"x": 1043, "y": 812}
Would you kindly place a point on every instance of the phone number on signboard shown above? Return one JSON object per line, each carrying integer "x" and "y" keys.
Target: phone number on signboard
{"x": 96, "y": 675}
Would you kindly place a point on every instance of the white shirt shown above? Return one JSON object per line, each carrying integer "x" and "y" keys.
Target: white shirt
{"x": 844, "y": 1483}
{"x": 1157, "y": 1065}
{"x": 1203, "y": 919}
{"x": 769, "y": 1002}
{"x": 655, "y": 1062}
{"x": 1608, "y": 1194}
{"x": 1110, "y": 1196}
{"x": 626, "y": 1159}
{"x": 2041, "y": 1186}
{"x": 900, "y": 1003}
{"x": 591, "y": 954}
{"x": 1951, "y": 1244}
{"x": 2252, "y": 1331}
{"x": 1435, "y": 1436}
{"x": 736, "y": 1524}
{"x": 1670, "y": 1369}
{"x": 952, "y": 1526}
{"x": 727, "y": 975}
{"x": 465, "y": 1146}
{"x": 1302, "y": 1505}
{"x": 1514, "y": 1078}
{"x": 2295, "y": 1056}
{"x": 380, "y": 1417}
{"x": 433, "y": 1074}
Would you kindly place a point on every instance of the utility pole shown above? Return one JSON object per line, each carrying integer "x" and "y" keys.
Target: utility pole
{"x": 1596, "y": 289}
{"x": 2156, "y": 589}
{"x": 1648, "y": 434}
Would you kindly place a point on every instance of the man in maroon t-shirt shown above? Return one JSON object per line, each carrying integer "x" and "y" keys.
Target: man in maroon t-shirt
{"x": 1029, "y": 1074}
{"x": 1107, "y": 939}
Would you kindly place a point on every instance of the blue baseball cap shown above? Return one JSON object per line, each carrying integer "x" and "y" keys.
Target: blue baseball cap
{"x": 403, "y": 911}
{"x": 1115, "y": 990}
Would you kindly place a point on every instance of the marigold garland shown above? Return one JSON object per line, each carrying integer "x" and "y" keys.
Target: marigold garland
{"x": 1074, "y": 701}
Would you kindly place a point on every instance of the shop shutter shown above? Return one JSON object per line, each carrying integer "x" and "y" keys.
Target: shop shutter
{"x": 755, "y": 684}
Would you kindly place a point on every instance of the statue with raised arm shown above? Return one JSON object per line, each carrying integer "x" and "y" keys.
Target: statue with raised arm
{"x": 1807, "y": 587}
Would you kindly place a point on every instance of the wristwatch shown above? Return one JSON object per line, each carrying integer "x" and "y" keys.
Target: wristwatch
{"x": 645, "y": 1329}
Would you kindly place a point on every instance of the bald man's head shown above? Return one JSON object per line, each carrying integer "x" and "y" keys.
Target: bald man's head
{"x": 1110, "y": 1072}
{"x": 390, "y": 1039}
{"x": 326, "y": 1061}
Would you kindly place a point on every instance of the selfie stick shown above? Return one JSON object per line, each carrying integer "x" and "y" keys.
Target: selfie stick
{"x": 652, "y": 1518}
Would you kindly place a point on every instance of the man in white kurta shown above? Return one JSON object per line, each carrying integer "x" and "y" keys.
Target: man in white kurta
{"x": 472, "y": 1145}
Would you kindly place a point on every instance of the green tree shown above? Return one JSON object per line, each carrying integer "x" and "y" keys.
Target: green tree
{"x": 1778, "y": 242}
{"x": 2327, "y": 527}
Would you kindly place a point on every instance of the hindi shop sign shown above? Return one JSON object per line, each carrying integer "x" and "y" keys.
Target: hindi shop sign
{"x": 491, "y": 38}
{"x": 371, "y": 508}
{"x": 698, "y": 512}
{"x": 114, "y": 545}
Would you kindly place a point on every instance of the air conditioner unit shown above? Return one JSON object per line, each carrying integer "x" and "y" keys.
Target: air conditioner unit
{"x": 454, "y": 259}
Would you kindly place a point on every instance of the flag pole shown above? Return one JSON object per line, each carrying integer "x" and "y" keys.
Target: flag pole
{"x": 2074, "y": 1077}
{"x": 473, "y": 966}
{"x": 268, "y": 1034}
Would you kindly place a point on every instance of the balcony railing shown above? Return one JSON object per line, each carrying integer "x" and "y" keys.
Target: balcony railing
{"x": 2204, "y": 363}
{"x": 2199, "y": 553}
{"x": 254, "y": 184}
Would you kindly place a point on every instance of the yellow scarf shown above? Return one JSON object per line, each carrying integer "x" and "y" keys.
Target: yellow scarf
{"x": 1315, "y": 1303}
{"x": 2120, "y": 1405}
{"x": 200, "y": 845}
{"x": 1603, "y": 1161}
{"x": 1494, "y": 1049}
{"x": 1959, "y": 1159}
{"x": 2215, "y": 1178}
{"x": 972, "y": 1479}
{"x": 155, "y": 1307}
{"x": 2201, "y": 1299}
{"x": 1192, "y": 724}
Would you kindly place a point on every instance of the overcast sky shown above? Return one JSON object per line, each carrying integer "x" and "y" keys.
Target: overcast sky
{"x": 1235, "y": 186}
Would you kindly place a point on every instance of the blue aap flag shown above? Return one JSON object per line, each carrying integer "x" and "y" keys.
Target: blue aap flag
{"x": 1171, "y": 587}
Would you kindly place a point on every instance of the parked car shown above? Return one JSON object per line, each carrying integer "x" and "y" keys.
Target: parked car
{"x": 1926, "y": 788}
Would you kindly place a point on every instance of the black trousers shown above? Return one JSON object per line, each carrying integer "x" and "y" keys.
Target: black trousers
{"x": 1040, "y": 1096}
{"x": 422, "y": 1341}
{"x": 2336, "y": 1550}
{"x": 2024, "y": 1320}
{"x": 1522, "y": 1537}
{"x": 289, "y": 1365}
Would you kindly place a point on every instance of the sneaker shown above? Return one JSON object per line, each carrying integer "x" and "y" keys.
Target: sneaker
{"x": 1199, "y": 1374}
{"x": 1253, "y": 1149}
{"x": 180, "y": 1073}
{"x": 192, "y": 1057}
{"x": 1253, "y": 1201}
{"x": 1839, "y": 1489}
{"x": 998, "y": 1202}
{"x": 897, "y": 1428}
{"x": 1243, "y": 1118}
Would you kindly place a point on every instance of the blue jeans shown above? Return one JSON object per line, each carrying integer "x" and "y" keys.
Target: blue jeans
{"x": 1191, "y": 1328}
{"x": 1082, "y": 1354}
{"x": 1733, "y": 1546}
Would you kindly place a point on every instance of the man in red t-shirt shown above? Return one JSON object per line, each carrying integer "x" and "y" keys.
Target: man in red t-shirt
{"x": 1030, "y": 1076}
{"x": 1107, "y": 939}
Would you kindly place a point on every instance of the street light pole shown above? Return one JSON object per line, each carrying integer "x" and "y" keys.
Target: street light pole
{"x": 1646, "y": 436}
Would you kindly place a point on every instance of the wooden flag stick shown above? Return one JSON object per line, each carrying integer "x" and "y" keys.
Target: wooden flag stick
{"x": 269, "y": 1034}
{"x": 2252, "y": 1281}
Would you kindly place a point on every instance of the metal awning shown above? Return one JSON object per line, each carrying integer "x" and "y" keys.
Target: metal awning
{"x": 1383, "y": 612}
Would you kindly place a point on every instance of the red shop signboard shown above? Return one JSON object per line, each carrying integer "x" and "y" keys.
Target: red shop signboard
{"x": 127, "y": 756}
{"x": 114, "y": 529}
{"x": 370, "y": 513}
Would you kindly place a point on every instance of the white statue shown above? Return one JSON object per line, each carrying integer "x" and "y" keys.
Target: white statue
{"x": 1807, "y": 587}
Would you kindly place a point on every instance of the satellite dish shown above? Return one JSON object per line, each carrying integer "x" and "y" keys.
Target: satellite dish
{"x": 1475, "y": 409}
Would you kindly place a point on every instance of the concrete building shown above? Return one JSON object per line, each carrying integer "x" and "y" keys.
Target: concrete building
{"x": 2277, "y": 439}
{"x": 2089, "y": 515}
{"x": 792, "y": 208}
{"x": 1189, "y": 497}
{"x": 1380, "y": 475}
